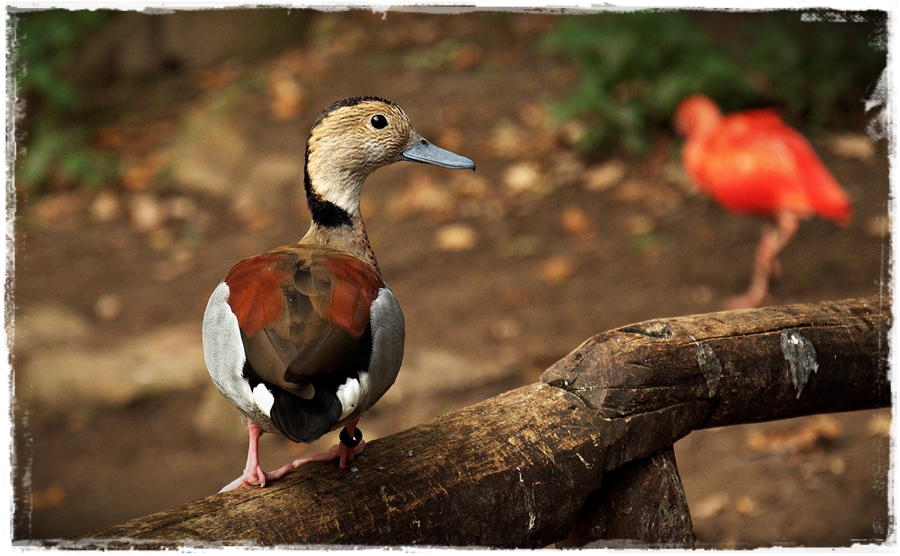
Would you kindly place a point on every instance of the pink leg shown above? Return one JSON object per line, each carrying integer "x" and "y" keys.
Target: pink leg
{"x": 339, "y": 451}
{"x": 774, "y": 238}
{"x": 253, "y": 473}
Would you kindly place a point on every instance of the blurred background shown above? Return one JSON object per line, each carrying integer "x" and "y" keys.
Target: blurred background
{"x": 153, "y": 151}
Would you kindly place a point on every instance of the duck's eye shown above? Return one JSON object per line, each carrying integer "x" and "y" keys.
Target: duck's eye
{"x": 379, "y": 121}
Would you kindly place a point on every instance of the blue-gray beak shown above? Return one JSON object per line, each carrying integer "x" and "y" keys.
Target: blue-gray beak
{"x": 423, "y": 151}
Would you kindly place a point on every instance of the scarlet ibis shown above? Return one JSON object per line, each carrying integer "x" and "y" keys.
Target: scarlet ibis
{"x": 752, "y": 163}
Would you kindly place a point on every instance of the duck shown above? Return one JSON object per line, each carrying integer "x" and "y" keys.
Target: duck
{"x": 304, "y": 338}
{"x": 752, "y": 163}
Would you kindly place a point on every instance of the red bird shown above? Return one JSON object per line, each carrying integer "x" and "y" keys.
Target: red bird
{"x": 752, "y": 163}
{"x": 305, "y": 338}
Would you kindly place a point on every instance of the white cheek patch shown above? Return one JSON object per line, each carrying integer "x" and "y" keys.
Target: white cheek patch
{"x": 349, "y": 394}
{"x": 264, "y": 399}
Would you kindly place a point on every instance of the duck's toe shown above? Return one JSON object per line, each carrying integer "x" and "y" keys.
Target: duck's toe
{"x": 257, "y": 477}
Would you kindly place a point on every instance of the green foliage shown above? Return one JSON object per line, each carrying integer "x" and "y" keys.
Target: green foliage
{"x": 46, "y": 46}
{"x": 812, "y": 69}
{"x": 636, "y": 67}
{"x": 56, "y": 138}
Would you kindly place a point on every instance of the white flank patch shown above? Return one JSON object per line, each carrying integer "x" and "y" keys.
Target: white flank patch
{"x": 224, "y": 350}
{"x": 264, "y": 399}
{"x": 348, "y": 395}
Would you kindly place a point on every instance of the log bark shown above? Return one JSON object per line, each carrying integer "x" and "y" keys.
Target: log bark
{"x": 738, "y": 367}
{"x": 515, "y": 470}
{"x": 640, "y": 505}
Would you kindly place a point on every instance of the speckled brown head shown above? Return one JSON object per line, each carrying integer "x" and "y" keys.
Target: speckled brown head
{"x": 351, "y": 139}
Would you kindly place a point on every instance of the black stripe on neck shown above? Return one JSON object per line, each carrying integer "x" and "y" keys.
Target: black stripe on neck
{"x": 324, "y": 213}
{"x": 327, "y": 214}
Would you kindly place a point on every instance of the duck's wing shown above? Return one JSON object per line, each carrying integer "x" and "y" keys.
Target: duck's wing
{"x": 305, "y": 322}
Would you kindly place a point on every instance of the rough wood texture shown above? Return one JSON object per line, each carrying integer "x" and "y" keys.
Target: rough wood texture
{"x": 738, "y": 366}
{"x": 515, "y": 470}
{"x": 641, "y": 504}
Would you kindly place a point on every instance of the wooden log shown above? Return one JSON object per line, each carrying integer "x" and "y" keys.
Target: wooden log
{"x": 640, "y": 505}
{"x": 741, "y": 366}
{"x": 515, "y": 470}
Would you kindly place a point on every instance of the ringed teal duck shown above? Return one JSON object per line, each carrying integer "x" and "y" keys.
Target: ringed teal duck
{"x": 304, "y": 338}
{"x": 751, "y": 162}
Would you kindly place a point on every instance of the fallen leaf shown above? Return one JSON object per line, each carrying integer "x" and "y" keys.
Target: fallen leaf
{"x": 145, "y": 211}
{"x": 837, "y": 466}
{"x": 853, "y": 146}
{"x": 57, "y": 209}
{"x": 181, "y": 208}
{"x": 456, "y": 237}
{"x": 217, "y": 78}
{"x": 522, "y": 177}
{"x": 505, "y": 329}
{"x": 507, "y": 139}
{"x": 701, "y": 294}
{"x": 658, "y": 198}
{"x": 604, "y": 176}
{"x": 879, "y": 425}
{"x": 105, "y": 207}
{"x": 710, "y": 506}
{"x": 286, "y": 94}
{"x": 878, "y": 226}
{"x": 51, "y": 497}
{"x": 108, "y": 306}
{"x": 804, "y": 438}
{"x": 575, "y": 222}
{"x": 111, "y": 137}
{"x": 556, "y": 270}
{"x": 138, "y": 175}
{"x": 424, "y": 32}
{"x": 467, "y": 57}
{"x": 574, "y": 131}
{"x": 745, "y": 506}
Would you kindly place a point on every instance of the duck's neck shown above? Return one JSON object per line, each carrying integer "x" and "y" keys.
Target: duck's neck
{"x": 350, "y": 239}
{"x": 336, "y": 221}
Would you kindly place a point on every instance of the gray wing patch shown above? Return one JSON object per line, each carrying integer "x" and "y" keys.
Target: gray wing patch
{"x": 388, "y": 335}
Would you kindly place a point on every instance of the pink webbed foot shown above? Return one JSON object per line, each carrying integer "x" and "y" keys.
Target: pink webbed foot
{"x": 351, "y": 445}
{"x": 257, "y": 477}
{"x": 253, "y": 473}
{"x": 338, "y": 451}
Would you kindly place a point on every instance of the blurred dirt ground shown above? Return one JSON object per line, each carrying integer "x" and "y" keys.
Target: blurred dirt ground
{"x": 500, "y": 273}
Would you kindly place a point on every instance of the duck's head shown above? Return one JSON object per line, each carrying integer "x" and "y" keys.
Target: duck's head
{"x": 355, "y": 136}
{"x": 697, "y": 115}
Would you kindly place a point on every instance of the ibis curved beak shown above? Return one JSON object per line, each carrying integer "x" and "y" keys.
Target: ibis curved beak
{"x": 424, "y": 151}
